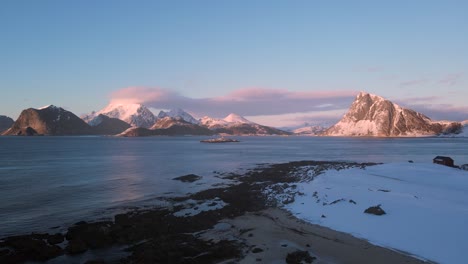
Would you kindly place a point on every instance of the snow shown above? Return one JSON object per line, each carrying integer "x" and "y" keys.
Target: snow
{"x": 231, "y": 119}
{"x": 134, "y": 114}
{"x": 49, "y": 106}
{"x": 426, "y": 206}
{"x": 178, "y": 113}
{"x": 235, "y": 118}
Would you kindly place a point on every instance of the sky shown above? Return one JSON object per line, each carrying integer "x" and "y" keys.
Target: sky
{"x": 279, "y": 63}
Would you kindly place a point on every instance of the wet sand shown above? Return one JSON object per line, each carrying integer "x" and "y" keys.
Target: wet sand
{"x": 276, "y": 232}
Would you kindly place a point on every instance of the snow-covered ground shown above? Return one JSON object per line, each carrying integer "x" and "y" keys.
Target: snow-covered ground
{"x": 426, "y": 207}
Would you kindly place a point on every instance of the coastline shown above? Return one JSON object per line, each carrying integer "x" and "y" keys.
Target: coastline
{"x": 236, "y": 223}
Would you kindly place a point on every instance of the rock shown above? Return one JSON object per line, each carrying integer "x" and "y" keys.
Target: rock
{"x": 55, "y": 239}
{"x": 95, "y": 235}
{"x": 352, "y": 201}
{"x": 76, "y": 246}
{"x": 257, "y": 250}
{"x": 188, "y": 178}
{"x": 29, "y": 247}
{"x": 96, "y": 261}
{"x": 375, "y": 210}
{"x": 299, "y": 257}
{"x": 122, "y": 220}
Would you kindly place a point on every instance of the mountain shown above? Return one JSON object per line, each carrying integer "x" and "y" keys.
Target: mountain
{"x": 49, "y": 120}
{"x": 374, "y": 116}
{"x": 310, "y": 130}
{"x": 168, "y": 126}
{"x": 235, "y": 124}
{"x": 134, "y": 114}
{"x": 104, "y": 125}
{"x": 178, "y": 113}
{"x": 5, "y": 123}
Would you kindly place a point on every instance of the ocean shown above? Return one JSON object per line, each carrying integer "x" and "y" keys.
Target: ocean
{"x": 48, "y": 183}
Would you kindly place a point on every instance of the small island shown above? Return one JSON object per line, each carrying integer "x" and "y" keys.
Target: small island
{"x": 219, "y": 140}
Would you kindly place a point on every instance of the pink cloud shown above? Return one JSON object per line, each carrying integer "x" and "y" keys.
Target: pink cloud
{"x": 248, "y": 101}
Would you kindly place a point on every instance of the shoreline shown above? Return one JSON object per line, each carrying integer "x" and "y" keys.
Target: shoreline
{"x": 235, "y": 223}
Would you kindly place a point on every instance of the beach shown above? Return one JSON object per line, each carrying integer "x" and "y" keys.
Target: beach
{"x": 229, "y": 224}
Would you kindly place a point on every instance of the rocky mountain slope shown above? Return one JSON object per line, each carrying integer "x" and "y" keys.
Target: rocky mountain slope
{"x": 372, "y": 115}
{"x": 168, "y": 126}
{"x": 49, "y": 120}
{"x": 104, "y": 125}
{"x": 235, "y": 124}
{"x": 179, "y": 113}
{"x": 5, "y": 123}
{"x": 136, "y": 115}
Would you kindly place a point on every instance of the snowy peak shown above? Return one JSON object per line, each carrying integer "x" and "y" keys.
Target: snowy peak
{"x": 372, "y": 115}
{"x": 134, "y": 114}
{"x": 235, "y": 118}
{"x": 178, "y": 113}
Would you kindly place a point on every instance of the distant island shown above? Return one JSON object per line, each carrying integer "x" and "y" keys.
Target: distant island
{"x": 219, "y": 140}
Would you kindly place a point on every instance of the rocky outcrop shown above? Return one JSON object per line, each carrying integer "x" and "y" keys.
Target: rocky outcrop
{"x": 5, "y": 123}
{"x": 50, "y": 120}
{"x": 372, "y": 115}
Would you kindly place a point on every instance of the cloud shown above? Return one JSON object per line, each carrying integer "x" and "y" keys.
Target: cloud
{"x": 414, "y": 82}
{"x": 248, "y": 101}
{"x": 451, "y": 79}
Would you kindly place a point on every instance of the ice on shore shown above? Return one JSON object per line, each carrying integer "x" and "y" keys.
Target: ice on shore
{"x": 426, "y": 207}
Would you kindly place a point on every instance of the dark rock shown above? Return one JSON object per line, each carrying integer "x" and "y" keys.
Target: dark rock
{"x": 375, "y": 210}
{"x": 29, "y": 247}
{"x": 299, "y": 257}
{"x": 76, "y": 246}
{"x": 410, "y": 161}
{"x": 122, "y": 220}
{"x": 188, "y": 178}
{"x": 55, "y": 239}
{"x": 383, "y": 190}
{"x": 257, "y": 250}
{"x": 96, "y": 261}
{"x": 352, "y": 201}
{"x": 323, "y": 216}
{"x": 95, "y": 235}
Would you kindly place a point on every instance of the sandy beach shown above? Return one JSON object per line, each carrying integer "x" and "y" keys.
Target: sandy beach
{"x": 277, "y": 233}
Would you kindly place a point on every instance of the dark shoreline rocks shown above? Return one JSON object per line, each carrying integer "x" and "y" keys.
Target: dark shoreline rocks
{"x": 188, "y": 178}
{"x": 158, "y": 235}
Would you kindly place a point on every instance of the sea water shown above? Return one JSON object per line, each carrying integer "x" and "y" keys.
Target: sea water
{"x": 47, "y": 182}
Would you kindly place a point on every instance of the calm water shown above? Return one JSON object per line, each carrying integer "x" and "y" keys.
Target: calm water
{"x": 52, "y": 181}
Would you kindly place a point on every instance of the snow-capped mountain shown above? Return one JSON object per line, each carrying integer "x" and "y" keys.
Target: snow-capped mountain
{"x": 134, "y": 114}
{"x": 231, "y": 119}
{"x": 372, "y": 115}
{"x": 168, "y": 126}
{"x": 179, "y": 113}
{"x": 234, "y": 124}
{"x": 48, "y": 120}
{"x": 310, "y": 130}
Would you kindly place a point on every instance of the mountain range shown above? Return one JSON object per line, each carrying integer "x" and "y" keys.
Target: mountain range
{"x": 369, "y": 115}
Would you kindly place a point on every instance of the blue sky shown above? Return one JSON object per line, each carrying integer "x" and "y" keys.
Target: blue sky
{"x": 79, "y": 54}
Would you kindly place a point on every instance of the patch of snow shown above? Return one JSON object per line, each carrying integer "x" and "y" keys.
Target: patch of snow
{"x": 193, "y": 207}
{"x": 426, "y": 207}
